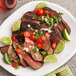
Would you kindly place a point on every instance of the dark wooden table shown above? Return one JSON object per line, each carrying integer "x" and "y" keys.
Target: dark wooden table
{"x": 70, "y": 5}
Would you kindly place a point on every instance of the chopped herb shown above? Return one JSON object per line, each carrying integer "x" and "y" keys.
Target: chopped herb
{"x": 17, "y": 67}
{"x": 41, "y": 33}
{"x": 15, "y": 47}
{"x": 32, "y": 29}
{"x": 13, "y": 50}
{"x": 30, "y": 52}
{"x": 57, "y": 18}
{"x": 60, "y": 13}
{"x": 35, "y": 49}
{"x": 47, "y": 21}
{"x": 37, "y": 55}
{"x": 17, "y": 60}
{"x": 37, "y": 36}
{"x": 43, "y": 52}
{"x": 21, "y": 47}
{"x": 34, "y": 16}
{"x": 42, "y": 24}
{"x": 38, "y": 22}
{"x": 39, "y": 18}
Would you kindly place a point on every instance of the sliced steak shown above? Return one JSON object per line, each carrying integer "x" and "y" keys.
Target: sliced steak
{"x": 31, "y": 62}
{"x": 46, "y": 45}
{"x": 4, "y": 49}
{"x": 23, "y": 63}
{"x": 12, "y": 54}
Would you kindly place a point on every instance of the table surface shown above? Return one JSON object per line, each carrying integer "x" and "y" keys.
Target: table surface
{"x": 70, "y": 5}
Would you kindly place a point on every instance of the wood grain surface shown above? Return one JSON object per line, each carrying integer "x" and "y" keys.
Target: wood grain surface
{"x": 70, "y": 5}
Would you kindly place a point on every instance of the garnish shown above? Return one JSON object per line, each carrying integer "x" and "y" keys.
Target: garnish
{"x": 17, "y": 67}
{"x": 17, "y": 60}
{"x": 34, "y": 16}
{"x": 37, "y": 36}
{"x": 30, "y": 52}
{"x": 37, "y": 55}
{"x": 35, "y": 49}
{"x": 60, "y": 13}
{"x": 32, "y": 29}
{"x": 39, "y": 18}
{"x": 21, "y": 47}
{"x": 13, "y": 50}
{"x": 38, "y": 22}
{"x": 43, "y": 52}
{"x": 41, "y": 33}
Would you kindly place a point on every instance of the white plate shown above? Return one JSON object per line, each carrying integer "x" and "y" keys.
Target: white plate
{"x": 63, "y": 57}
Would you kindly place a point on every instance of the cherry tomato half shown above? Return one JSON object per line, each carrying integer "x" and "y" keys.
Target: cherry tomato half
{"x": 39, "y": 45}
{"x": 15, "y": 64}
{"x": 39, "y": 40}
{"x": 18, "y": 50}
{"x": 46, "y": 12}
{"x": 32, "y": 37}
{"x": 35, "y": 10}
{"x": 40, "y": 12}
{"x": 13, "y": 38}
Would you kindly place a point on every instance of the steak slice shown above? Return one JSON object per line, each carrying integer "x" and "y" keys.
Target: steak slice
{"x": 31, "y": 62}
{"x": 46, "y": 45}
{"x": 4, "y": 49}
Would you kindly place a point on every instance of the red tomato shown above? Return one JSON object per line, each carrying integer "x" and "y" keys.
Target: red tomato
{"x": 43, "y": 38}
{"x": 44, "y": 56}
{"x": 53, "y": 13}
{"x": 39, "y": 45}
{"x": 27, "y": 34}
{"x": 46, "y": 12}
{"x": 40, "y": 12}
{"x": 13, "y": 38}
{"x": 47, "y": 35}
{"x": 18, "y": 50}
{"x": 39, "y": 40}
{"x": 32, "y": 37}
{"x": 35, "y": 10}
{"x": 18, "y": 45}
{"x": 54, "y": 45}
{"x": 15, "y": 64}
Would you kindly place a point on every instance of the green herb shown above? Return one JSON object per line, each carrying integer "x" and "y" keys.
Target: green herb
{"x": 43, "y": 52}
{"x": 17, "y": 67}
{"x": 34, "y": 16}
{"x": 37, "y": 55}
{"x": 57, "y": 18}
{"x": 42, "y": 24}
{"x": 35, "y": 49}
{"x": 47, "y": 21}
{"x": 41, "y": 33}
{"x": 32, "y": 29}
{"x": 17, "y": 60}
{"x": 21, "y": 47}
{"x": 15, "y": 47}
{"x": 38, "y": 22}
{"x": 30, "y": 52}
{"x": 37, "y": 36}
{"x": 60, "y": 13}
{"x": 13, "y": 50}
{"x": 39, "y": 18}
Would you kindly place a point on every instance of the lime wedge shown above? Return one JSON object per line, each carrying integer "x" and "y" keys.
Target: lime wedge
{"x": 41, "y": 5}
{"x": 59, "y": 47}
{"x": 16, "y": 25}
{"x": 7, "y": 59}
{"x": 65, "y": 35}
{"x": 50, "y": 58}
{"x": 6, "y": 40}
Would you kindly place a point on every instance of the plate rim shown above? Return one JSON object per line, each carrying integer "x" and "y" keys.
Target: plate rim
{"x": 58, "y": 7}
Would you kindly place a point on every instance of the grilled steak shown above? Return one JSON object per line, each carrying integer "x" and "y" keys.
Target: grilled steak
{"x": 31, "y": 62}
{"x": 4, "y": 49}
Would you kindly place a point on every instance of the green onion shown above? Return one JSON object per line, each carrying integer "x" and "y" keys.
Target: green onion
{"x": 37, "y": 55}
{"x": 13, "y": 50}
{"x": 39, "y": 18}
{"x": 21, "y": 47}
{"x": 41, "y": 33}
{"x": 38, "y": 22}
{"x": 15, "y": 47}
{"x": 43, "y": 52}
{"x": 35, "y": 49}
{"x": 17, "y": 60}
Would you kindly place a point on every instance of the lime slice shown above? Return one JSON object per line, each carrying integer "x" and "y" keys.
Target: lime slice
{"x": 41, "y": 5}
{"x": 6, "y": 58}
{"x": 65, "y": 35}
{"x": 59, "y": 47}
{"x": 50, "y": 58}
{"x": 6, "y": 40}
{"x": 16, "y": 25}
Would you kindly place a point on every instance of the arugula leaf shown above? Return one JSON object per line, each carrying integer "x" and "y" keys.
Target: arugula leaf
{"x": 60, "y": 13}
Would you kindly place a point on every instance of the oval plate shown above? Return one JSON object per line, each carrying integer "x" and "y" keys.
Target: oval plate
{"x": 63, "y": 57}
